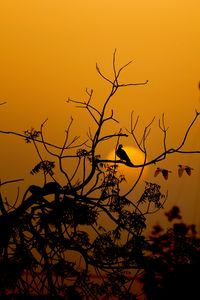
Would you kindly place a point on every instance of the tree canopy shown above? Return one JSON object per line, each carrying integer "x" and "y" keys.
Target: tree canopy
{"x": 85, "y": 239}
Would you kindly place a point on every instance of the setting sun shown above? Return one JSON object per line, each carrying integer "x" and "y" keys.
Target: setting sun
{"x": 79, "y": 217}
{"x": 136, "y": 157}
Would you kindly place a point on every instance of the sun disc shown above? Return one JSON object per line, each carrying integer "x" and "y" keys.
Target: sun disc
{"x": 137, "y": 158}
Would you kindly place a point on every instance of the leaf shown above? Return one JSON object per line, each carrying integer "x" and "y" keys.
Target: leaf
{"x": 46, "y": 166}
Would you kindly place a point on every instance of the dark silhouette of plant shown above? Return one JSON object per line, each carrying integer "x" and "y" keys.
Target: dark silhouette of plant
{"x": 83, "y": 239}
{"x": 174, "y": 261}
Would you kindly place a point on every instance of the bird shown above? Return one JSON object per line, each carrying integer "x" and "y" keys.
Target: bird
{"x": 121, "y": 153}
{"x": 183, "y": 168}
{"x": 164, "y": 172}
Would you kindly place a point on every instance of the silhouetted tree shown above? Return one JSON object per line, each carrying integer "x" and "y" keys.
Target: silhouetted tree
{"x": 174, "y": 261}
{"x": 83, "y": 239}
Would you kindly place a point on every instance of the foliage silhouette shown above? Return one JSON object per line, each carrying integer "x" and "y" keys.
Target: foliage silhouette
{"x": 173, "y": 269}
{"x": 83, "y": 239}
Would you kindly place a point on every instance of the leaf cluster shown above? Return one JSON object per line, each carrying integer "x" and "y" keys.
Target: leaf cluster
{"x": 85, "y": 238}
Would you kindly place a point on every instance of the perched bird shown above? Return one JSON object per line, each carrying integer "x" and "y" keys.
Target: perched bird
{"x": 123, "y": 155}
{"x": 183, "y": 168}
{"x": 164, "y": 172}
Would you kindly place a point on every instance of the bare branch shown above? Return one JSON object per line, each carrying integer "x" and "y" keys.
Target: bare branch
{"x": 87, "y": 105}
{"x": 24, "y": 136}
{"x": 188, "y": 131}
{"x": 104, "y": 77}
{"x": 133, "y": 84}
{"x": 146, "y": 133}
{"x": 10, "y": 181}
{"x": 38, "y": 233}
{"x": 114, "y": 67}
{"x": 164, "y": 130}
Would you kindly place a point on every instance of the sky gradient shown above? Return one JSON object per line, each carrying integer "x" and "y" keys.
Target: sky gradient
{"x": 49, "y": 50}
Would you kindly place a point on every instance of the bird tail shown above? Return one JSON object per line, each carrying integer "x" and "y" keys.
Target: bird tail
{"x": 129, "y": 164}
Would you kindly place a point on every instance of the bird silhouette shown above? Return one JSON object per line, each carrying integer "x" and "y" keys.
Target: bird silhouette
{"x": 164, "y": 172}
{"x": 183, "y": 168}
{"x": 121, "y": 153}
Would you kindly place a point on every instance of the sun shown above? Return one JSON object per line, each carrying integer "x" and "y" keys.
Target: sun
{"x": 137, "y": 158}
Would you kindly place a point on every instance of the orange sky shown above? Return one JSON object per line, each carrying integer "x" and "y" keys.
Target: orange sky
{"x": 49, "y": 50}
